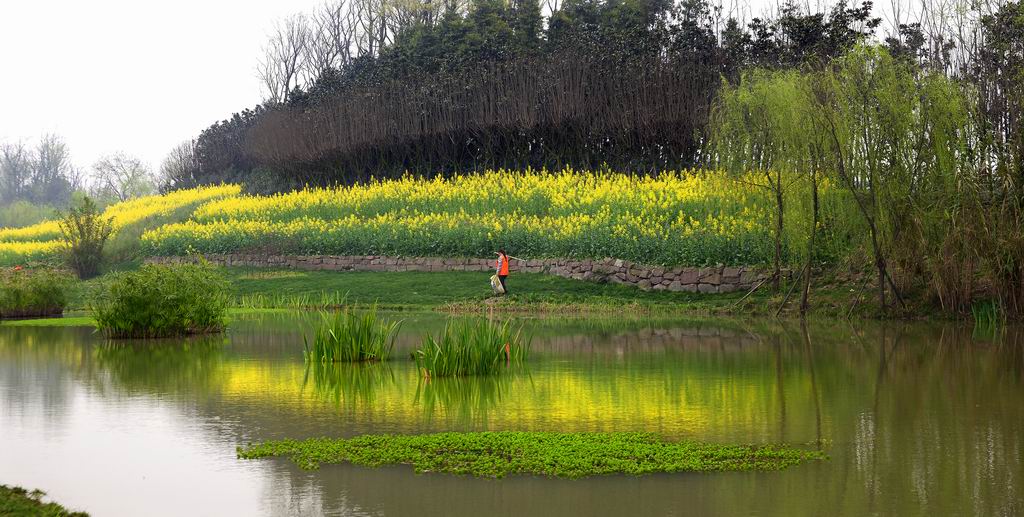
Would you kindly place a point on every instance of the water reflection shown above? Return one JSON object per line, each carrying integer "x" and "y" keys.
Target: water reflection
{"x": 190, "y": 364}
{"x": 916, "y": 419}
{"x": 347, "y": 385}
{"x": 466, "y": 402}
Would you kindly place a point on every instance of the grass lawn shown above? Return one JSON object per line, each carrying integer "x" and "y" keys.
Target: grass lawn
{"x": 460, "y": 291}
{"x": 416, "y": 289}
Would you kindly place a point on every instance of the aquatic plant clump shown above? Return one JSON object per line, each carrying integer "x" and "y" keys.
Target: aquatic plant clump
{"x": 349, "y": 336}
{"x": 497, "y": 454}
{"x": 26, "y": 293}
{"x": 162, "y": 301}
{"x": 472, "y": 348}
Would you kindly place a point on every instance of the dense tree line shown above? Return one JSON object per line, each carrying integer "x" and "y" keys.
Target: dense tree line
{"x": 40, "y": 173}
{"x": 34, "y": 179}
{"x": 438, "y": 88}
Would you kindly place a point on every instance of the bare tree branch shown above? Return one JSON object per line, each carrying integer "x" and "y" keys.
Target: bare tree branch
{"x": 285, "y": 57}
{"x": 122, "y": 177}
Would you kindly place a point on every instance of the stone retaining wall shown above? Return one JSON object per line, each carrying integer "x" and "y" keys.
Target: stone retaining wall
{"x": 720, "y": 279}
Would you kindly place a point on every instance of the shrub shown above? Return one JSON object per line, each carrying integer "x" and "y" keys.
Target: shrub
{"x": 162, "y": 301}
{"x": 85, "y": 232}
{"x": 32, "y": 293}
{"x": 346, "y": 336}
{"x": 471, "y": 348}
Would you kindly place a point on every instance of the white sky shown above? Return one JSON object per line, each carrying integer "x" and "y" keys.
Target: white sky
{"x": 139, "y": 76}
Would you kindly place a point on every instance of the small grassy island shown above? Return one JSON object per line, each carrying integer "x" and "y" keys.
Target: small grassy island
{"x": 16, "y": 501}
{"x": 161, "y": 301}
{"x": 28, "y": 293}
{"x": 568, "y": 455}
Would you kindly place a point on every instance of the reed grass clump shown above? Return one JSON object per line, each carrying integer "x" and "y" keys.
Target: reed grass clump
{"x": 29, "y": 293}
{"x": 472, "y": 348}
{"x": 322, "y": 300}
{"x": 989, "y": 318}
{"x": 162, "y": 301}
{"x": 349, "y": 336}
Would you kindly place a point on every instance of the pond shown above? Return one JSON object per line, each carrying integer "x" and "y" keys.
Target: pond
{"x": 916, "y": 419}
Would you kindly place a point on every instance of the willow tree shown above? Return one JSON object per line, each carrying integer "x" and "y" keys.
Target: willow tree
{"x": 893, "y": 138}
{"x": 762, "y": 133}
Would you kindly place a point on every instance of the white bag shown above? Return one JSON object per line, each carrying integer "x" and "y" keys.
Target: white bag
{"x": 496, "y": 285}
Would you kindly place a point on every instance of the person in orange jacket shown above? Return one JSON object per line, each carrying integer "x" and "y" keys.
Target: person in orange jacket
{"x": 502, "y": 269}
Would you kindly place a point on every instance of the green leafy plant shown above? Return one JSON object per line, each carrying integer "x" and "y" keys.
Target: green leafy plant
{"x": 162, "y": 301}
{"x": 28, "y": 293}
{"x": 348, "y": 336}
{"x": 472, "y": 348}
{"x": 85, "y": 232}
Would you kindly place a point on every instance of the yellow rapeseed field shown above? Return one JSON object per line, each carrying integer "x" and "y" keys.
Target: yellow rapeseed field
{"x": 692, "y": 217}
{"x": 43, "y": 240}
{"x": 681, "y": 218}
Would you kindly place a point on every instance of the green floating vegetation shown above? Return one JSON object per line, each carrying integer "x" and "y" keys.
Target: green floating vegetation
{"x": 497, "y": 454}
{"x": 16, "y": 502}
{"x": 349, "y": 336}
{"x": 472, "y": 348}
{"x": 162, "y": 301}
